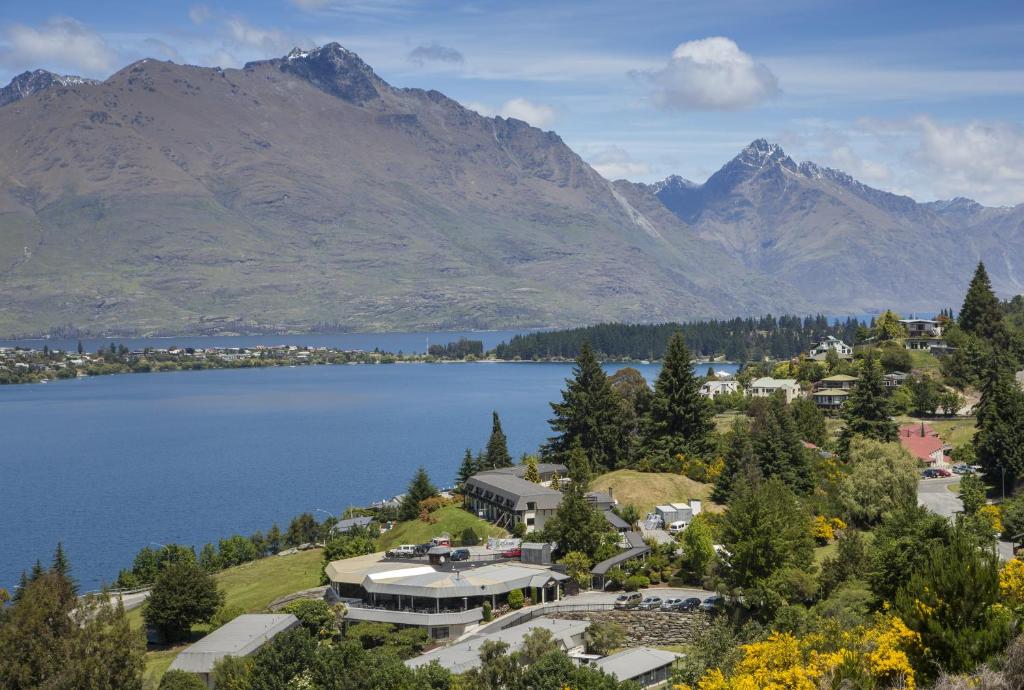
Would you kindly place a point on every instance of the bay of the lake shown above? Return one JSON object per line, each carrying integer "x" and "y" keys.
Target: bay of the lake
{"x": 110, "y": 464}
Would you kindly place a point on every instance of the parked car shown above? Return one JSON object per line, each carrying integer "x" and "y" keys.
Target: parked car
{"x": 961, "y": 469}
{"x": 403, "y": 551}
{"x": 628, "y": 600}
{"x": 516, "y": 552}
{"x": 676, "y": 527}
{"x": 421, "y": 549}
{"x": 932, "y": 473}
{"x": 713, "y": 603}
{"x": 459, "y": 555}
{"x": 690, "y": 604}
{"x": 650, "y": 603}
{"x": 671, "y": 604}
{"x": 943, "y": 472}
{"x": 441, "y": 541}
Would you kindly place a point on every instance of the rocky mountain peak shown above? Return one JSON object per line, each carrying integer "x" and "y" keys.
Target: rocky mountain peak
{"x": 760, "y": 153}
{"x": 673, "y": 183}
{"x": 28, "y": 83}
{"x": 331, "y": 68}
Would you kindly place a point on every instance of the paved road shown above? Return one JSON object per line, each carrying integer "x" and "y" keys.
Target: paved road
{"x": 934, "y": 494}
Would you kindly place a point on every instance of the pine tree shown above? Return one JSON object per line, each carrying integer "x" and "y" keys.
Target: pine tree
{"x": 981, "y": 314}
{"x": 577, "y": 525}
{"x": 467, "y": 469}
{"x": 778, "y": 448}
{"x": 590, "y": 413}
{"x": 531, "y": 474}
{"x": 274, "y": 539}
{"x": 62, "y": 567}
{"x": 867, "y": 410}
{"x": 37, "y": 572}
{"x": 497, "y": 454}
{"x": 739, "y": 458}
{"x": 420, "y": 489}
{"x": 680, "y": 420}
{"x": 999, "y": 440}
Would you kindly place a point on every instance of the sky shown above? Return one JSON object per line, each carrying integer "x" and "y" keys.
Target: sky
{"x": 924, "y": 98}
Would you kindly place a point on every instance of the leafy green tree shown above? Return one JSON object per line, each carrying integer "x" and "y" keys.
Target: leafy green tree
{"x": 680, "y": 420}
{"x": 236, "y": 550}
{"x": 181, "y": 680}
{"x": 698, "y": 548}
{"x": 467, "y": 469}
{"x": 849, "y": 563}
{"x": 867, "y": 413}
{"x": 209, "y": 560}
{"x": 469, "y": 537}
{"x": 738, "y": 459}
{"x": 577, "y": 525}
{"x": 497, "y": 670}
{"x": 765, "y": 530}
{"x": 883, "y": 478}
{"x": 274, "y": 539}
{"x": 316, "y": 615}
{"x": 901, "y": 545}
{"x": 303, "y": 529}
{"x": 604, "y": 637}
{"x": 999, "y": 440}
{"x": 497, "y": 454}
{"x": 590, "y": 414}
{"x": 182, "y": 595}
{"x": 232, "y": 673}
{"x": 420, "y": 489}
{"x": 925, "y": 394}
{"x": 981, "y": 314}
{"x": 972, "y": 493}
{"x": 276, "y": 663}
{"x": 888, "y": 326}
{"x": 577, "y": 566}
{"x": 896, "y": 359}
{"x": 951, "y": 601}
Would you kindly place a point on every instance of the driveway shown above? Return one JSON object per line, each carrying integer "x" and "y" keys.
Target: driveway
{"x": 934, "y": 494}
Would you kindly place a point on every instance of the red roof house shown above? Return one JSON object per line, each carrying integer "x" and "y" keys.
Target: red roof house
{"x": 923, "y": 443}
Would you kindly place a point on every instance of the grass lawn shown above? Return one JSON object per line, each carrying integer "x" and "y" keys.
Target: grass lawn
{"x": 955, "y": 432}
{"x": 452, "y": 520}
{"x": 249, "y": 588}
{"x": 723, "y": 422}
{"x": 829, "y": 550}
{"x": 648, "y": 489}
{"x": 923, "y": 360}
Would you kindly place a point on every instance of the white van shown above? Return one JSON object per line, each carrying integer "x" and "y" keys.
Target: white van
{"x": 676, "y": 527}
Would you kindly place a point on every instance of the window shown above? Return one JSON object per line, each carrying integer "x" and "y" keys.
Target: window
{"x": 531, "y": 505}
{"x": 439, "y": 633}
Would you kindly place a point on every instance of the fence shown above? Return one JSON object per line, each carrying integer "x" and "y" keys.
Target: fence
{"x": 527, "y": 615}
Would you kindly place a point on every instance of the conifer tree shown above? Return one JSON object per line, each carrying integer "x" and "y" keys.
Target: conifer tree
{"x": 981, "y": 314}
{"x": 577, "y": 525}
{"x": 867, "y": 410}
{"x": 778, "y": 448}
{"x": 680, "y": 419}
{"x": 497, "y": 454}
{"x": 62, "y": 569}
{"x": 590, "y": 413}
{"x": 420, "y": 489}
{"x": 999, "y": 440}
{"x": 467, "y": 469}
{"x": 738, "y": 456}
{"x": 531, "y": 474}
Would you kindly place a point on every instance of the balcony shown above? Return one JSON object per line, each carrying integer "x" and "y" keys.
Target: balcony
{"x": 418, "y": 617}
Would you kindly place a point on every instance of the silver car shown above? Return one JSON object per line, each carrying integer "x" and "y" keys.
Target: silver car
{"x": 671, "y": 604}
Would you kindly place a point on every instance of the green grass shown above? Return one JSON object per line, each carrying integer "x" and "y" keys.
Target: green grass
{"x": 924, "y": 361}
{"x": 723, "y": 421}
{"x": 829, "y": 550}
{"x": 452, "y": 520}
{"x": 955, "y": 432}
{"x": 248, "y": 588}
{"x": 648, "y": 489}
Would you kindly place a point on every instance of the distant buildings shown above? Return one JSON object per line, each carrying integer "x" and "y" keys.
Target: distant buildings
{"x": 923, "y": 334}
{"x": 507, "y": 500}
{"x": 240, "y": 637}
{"x": 923, "y": 443}
{"x": 713, "y": 389}
{"x": 820, "y": 351}
{"x": 646, "y": 666}
{"x": 831, "y": 392}
{"x": 766, "y": 386}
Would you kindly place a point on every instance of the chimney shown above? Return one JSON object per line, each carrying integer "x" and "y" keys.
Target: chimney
{"x": 922, "y": 429}
{"x": 610, "y": 494}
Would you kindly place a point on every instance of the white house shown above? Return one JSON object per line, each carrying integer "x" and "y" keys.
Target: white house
{"x": 766, "y": 386}
{"x": 713, "y": 389}
{"x": 820, "y": 351}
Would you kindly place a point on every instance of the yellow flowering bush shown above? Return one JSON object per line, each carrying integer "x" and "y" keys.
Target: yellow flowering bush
{"x": 822, "y": 530}
{"x": 699, "y": 470}
{"x": 1011, "y": 582}
{"x": 785, "y": 662}
{"x": 991, "y": 515}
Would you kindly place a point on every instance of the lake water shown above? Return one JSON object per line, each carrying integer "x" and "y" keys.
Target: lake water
{"x": 110, "y": 464}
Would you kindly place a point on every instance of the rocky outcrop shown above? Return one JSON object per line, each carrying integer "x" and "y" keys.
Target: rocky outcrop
{"x": 651, "y": 628}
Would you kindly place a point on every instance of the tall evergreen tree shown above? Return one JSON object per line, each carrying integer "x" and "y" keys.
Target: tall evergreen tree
{"x": 778, "y": 448}
{"x": 577, "y": 525}
{"x": 739, "y": 458}
{"x": 467, "y": 469}
{"x": 981, "y": 314}
{"x": 680, "y": 419}
{"x": 590, "y": 413}
{"x": 497, "y": 454}
{"x": 867, "y": 410}
{"x": 531, "y": 473}
{"x": 420, "y": 488}
{"x": 999, "y": 440}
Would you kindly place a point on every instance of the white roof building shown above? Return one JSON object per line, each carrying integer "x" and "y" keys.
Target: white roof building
{"x": 648, "y": 667}
{"x": 766, "y": 386}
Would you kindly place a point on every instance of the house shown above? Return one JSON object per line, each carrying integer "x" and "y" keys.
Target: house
{"x": 820, "y": 351}
{"x": 601, "y": 500}
{"x": 444, "y": 601}
{"x": 895, "y": 379}
{"x": 646, "y": 666}
{"x": 766, "y": 386}
{"x": 465, "y": 656}
{"x": 240, "y": 637}
{"x": 713, "y": 389}
{"x": 838, "y": 382}
{"x": 349, "y": 524}
{"x": 922, "y": 328}
{"x": 678, "y": 512}
{"x": 923, "y": 443}
{"x": 636, "y": 548}
{"x": 508, "y": 500}
{"x": 830, "y": 398}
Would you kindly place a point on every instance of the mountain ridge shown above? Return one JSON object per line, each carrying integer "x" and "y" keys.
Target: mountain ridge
{"x": 305, "y": 190}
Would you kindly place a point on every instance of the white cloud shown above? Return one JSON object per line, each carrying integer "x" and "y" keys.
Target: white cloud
{"x": 163, "y": 49}
{"x": 870, "y": 172}
{"x": 712, "y": 74}
{"x": 536, "y": 114}
{"x": 435, "y": 52}
{"x": 61, "y": 41}
{"x": 269, "y": 41}
{"x": 199, "y": 14}
{"x": 614, "y": 162}
{"x": 984, "y": 160}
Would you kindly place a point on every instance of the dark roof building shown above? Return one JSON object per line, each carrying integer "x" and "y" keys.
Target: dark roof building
{"x": 508, "y": 500}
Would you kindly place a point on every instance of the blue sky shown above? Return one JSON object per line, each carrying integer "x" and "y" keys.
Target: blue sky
{"x": 922, "y": 98}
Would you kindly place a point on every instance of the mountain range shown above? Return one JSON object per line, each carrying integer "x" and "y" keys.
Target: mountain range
{"x": 305, "y": 192}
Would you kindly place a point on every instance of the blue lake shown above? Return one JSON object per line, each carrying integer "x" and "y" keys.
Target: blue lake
{"x": 110, "y": 464}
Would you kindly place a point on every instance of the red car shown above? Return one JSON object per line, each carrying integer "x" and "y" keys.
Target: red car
{"x": 943, "y": 472}
{"x": 517, "y": 552}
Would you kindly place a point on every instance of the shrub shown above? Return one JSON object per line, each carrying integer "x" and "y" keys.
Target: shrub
{"x": 181, "y": 680}
{"x": 516, "y": 599}
{"x": 487, "y": 611}
{"x": 315, "y": 614}
{"x": 635, "y": 582}
{"x": 469, "y": 537}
